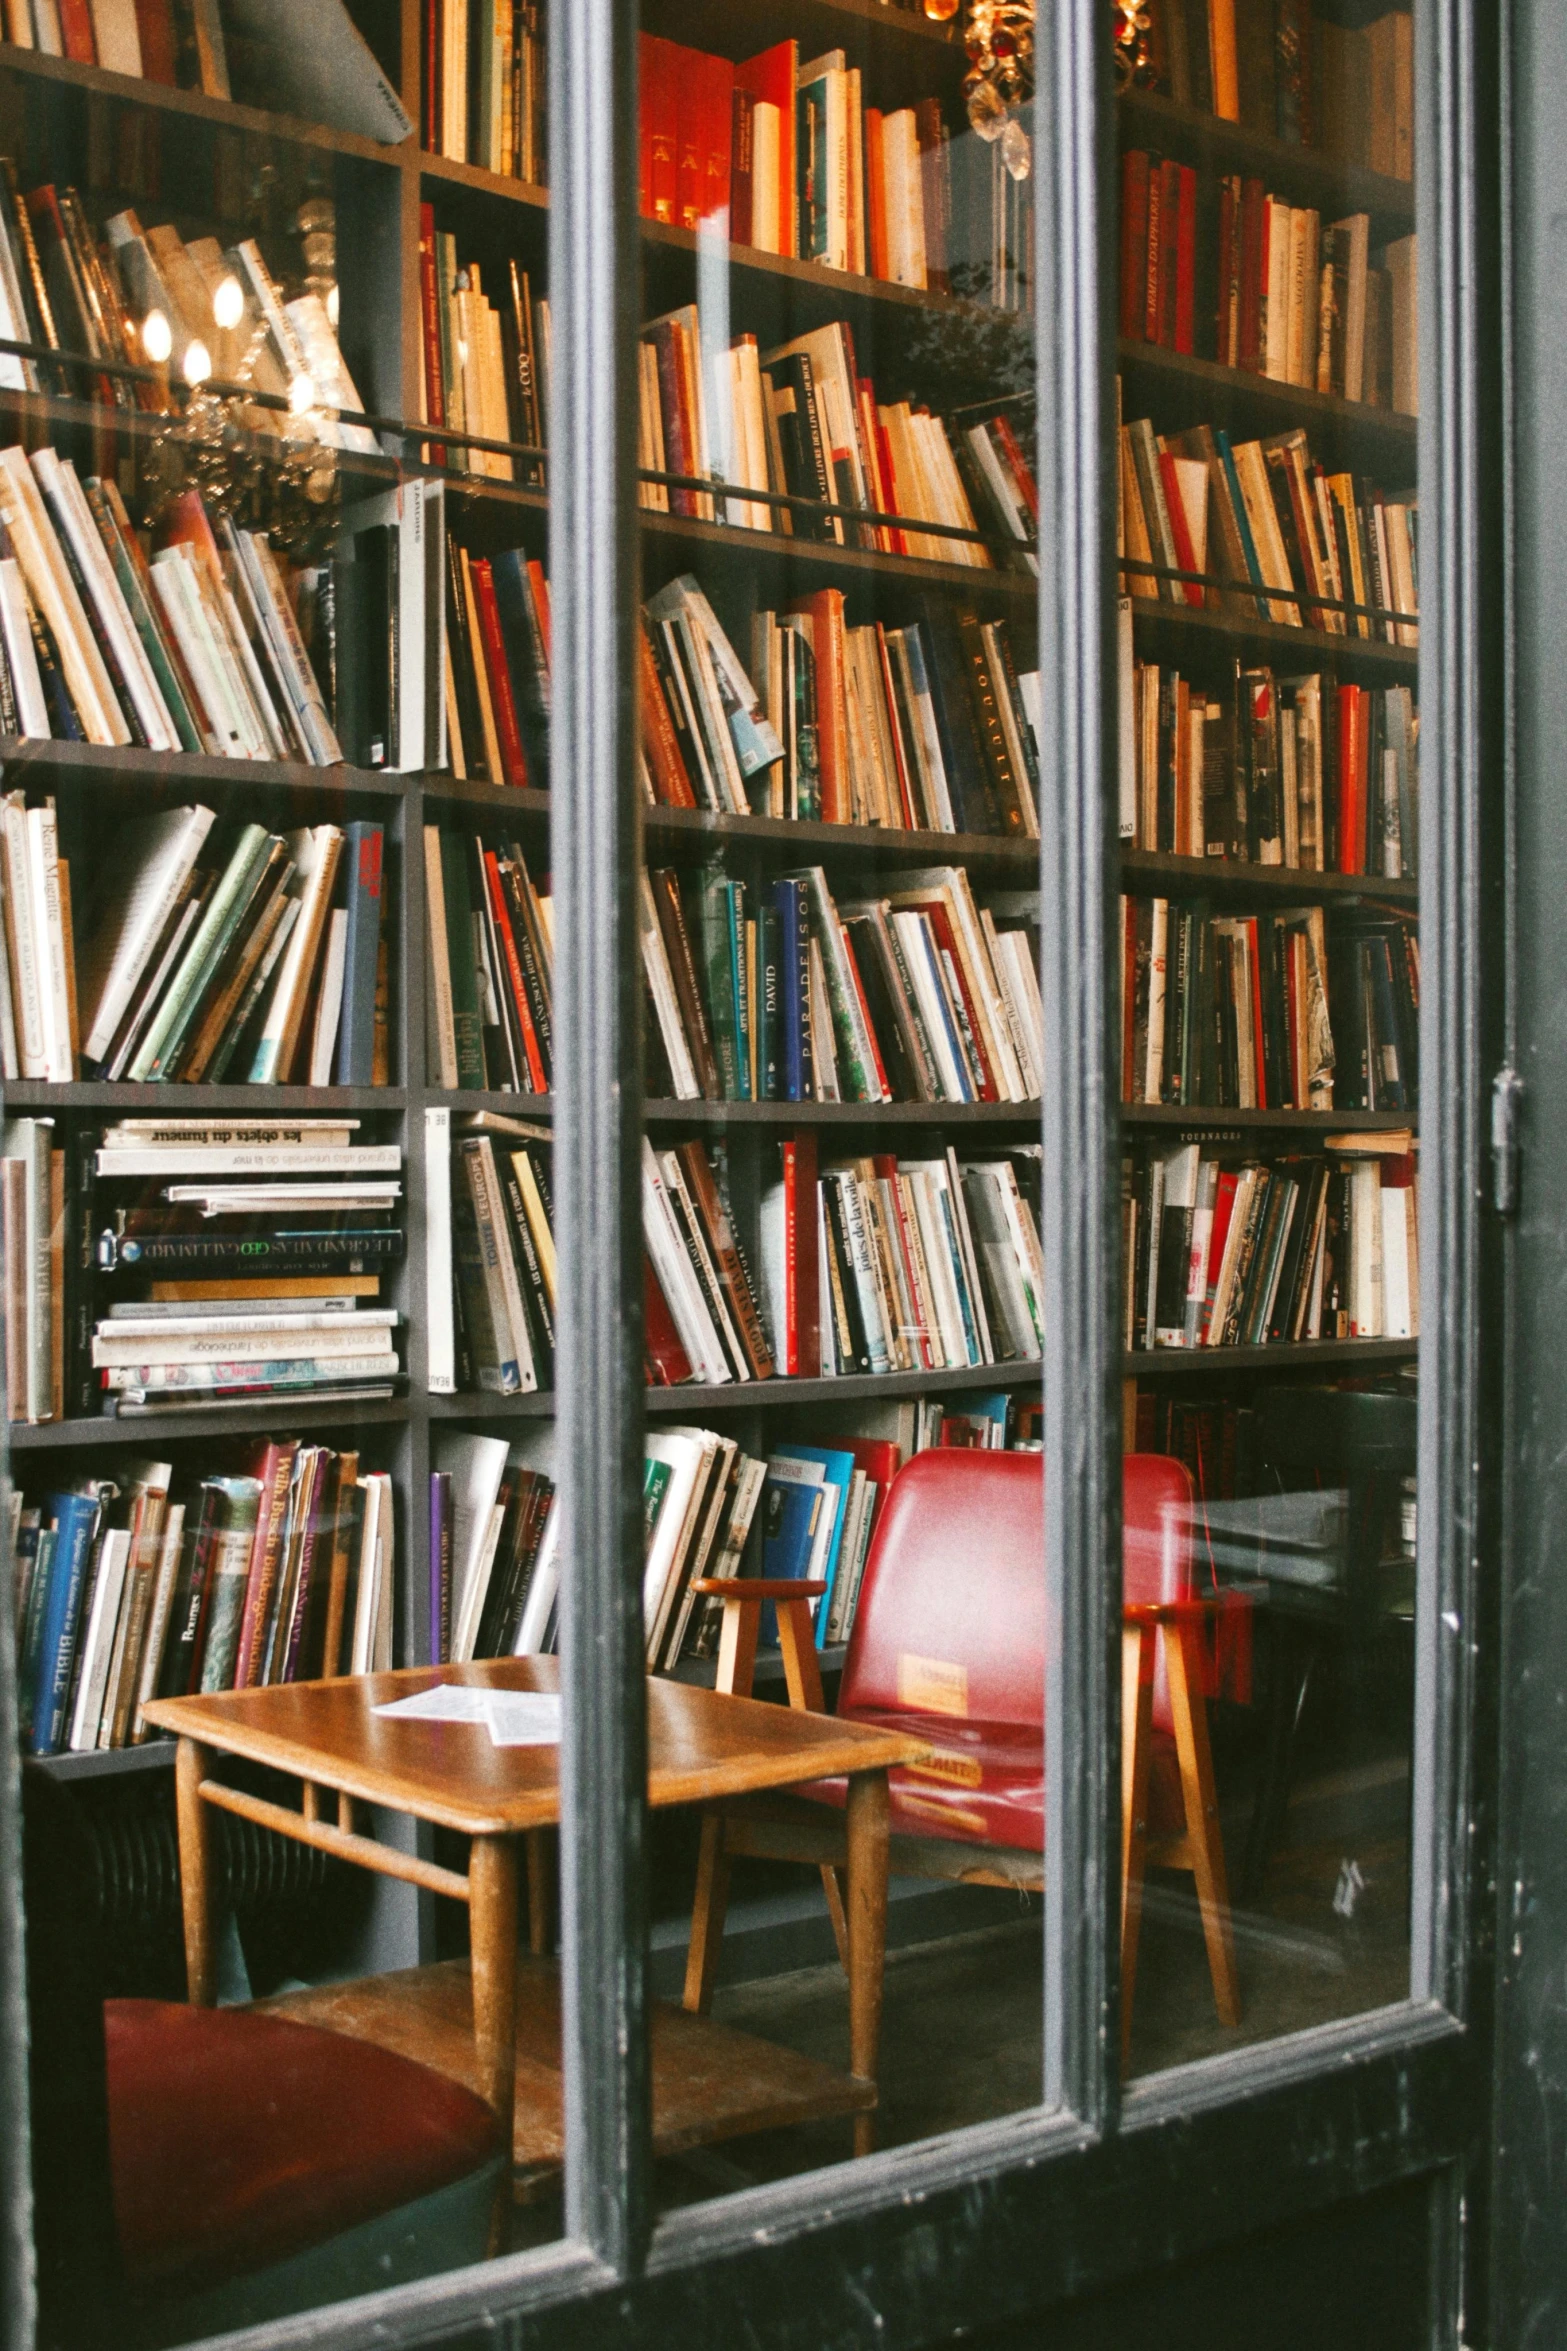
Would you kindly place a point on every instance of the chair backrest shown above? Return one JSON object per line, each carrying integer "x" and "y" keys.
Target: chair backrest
{"x": 951, "y": 1613}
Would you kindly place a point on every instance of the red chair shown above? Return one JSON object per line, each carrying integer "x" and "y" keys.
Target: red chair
{"x": 949, "y": 1642}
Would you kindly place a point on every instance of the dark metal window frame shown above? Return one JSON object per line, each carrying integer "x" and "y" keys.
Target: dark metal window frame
{"x": 995, "y": 2222}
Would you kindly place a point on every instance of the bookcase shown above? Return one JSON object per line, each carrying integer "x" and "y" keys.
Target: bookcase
{"x": 209, "y": 161}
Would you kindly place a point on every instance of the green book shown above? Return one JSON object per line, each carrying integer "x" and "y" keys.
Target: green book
{"x": 461, "y": 962}
{"x": 655, "y": 1485}
{"x": 147, "y": 629}
{"x": 718, "y": 971}
{"x": 213, "y": 933}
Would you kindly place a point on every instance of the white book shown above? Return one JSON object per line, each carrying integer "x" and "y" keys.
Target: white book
{"x": 686, "y": 1453}
{"x": 927, "y": 1182}
{"x": 174, "y": 585}
{"x": 116, "y": 37}
{"x": 119, "y": 1345}
{"x": 68, "y": 504}
{"x": 54, "y": 592}
{"x": 240, "y": 1158}
{"x": 215, "y": 1374}
{"x": 27, "y": 972}
{"x": 43, "y": 866}
{"x": 465, "y": 1629}
{"x": 367, "y": 1595}
{"x": 98, "y": 1641}
{"x": 167, "y": 1134}
{"x": 32, "y": 712}
{"x": 476, "y": 1465}
{"x": 1398, "y": 1315}
{"x": 765, "y": 128}
{"x": 440, "y": 1325}
{"x": 712, "y": 1288}
{"x": 316, "y": 857}
{"x": 499, "y": 1216}
{"x": 676, "y": 1277}
{"x": 189, "y": 1318}
{"x": 543, "y": 1590}
{"x": 904, "y": 193}
{"x": 329, "y": 1005}
{"x": 46, "y": 20}
{"x": 335, "y": 388}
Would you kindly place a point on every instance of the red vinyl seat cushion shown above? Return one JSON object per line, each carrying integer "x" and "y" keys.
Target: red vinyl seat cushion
{"x": 238, "y": 2140}
{"x": 949, "y": 1637}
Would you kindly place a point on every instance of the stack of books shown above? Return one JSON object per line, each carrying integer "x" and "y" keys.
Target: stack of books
{"x": 488, "y": 936}
{"x": 211, "y": 950}
{"x": 1226, "y": 1251}
{"x": 482, "y": 80}
{"x": 1240, "y": 1012}
{"x": 197, "y": 649}
{"x": 785, "y": 995}
{"x": 801, "y": 422}
{"x": 274, "y": 1566}
{"x": 1310, "y": 771}
{"x": 485, "y": 366}
{"x": 1284, "y": 533}
{"x": 261, "y": 1256}
{"x": 883, "y": 1264}
{"x": 1297, "y": 301}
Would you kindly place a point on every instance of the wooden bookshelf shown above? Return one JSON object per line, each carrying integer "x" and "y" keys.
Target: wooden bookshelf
{"x": 1307, "y": 175}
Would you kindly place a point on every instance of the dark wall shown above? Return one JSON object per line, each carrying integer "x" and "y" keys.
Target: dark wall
{"x": 1357, "y": 2278}
{"x": 1528, "y": 2280}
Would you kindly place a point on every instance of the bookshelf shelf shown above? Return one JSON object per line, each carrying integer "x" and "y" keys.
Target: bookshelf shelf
{"x": 1324, "y": 1354}
{"x": 117, "y": 768}
{"x": 771, "y": 548}
{"x": 441, "y": 171}
{"x": 1187, "y": 626}
{"x": 1155, "y": 870}
{"x": 191, "y": 106}
{"x": 1200, "y": 1117}
{"x": 797, "y": 838}
{"x": 111, "y": 1763}
{"x": 752, "y": 1395}
{"x": 1305, "y": 174}
{"x": 185, "y": 1102}
{"x": 786, "y": 1115}
{"x": 223, "y": 1420}
{"x": 1203, "y": 393}
{"x": 872, "y": 296}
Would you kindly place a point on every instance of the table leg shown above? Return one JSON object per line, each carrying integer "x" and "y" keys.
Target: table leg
{"x": 195, "y": 1832}
{"x": 492, "y": 1928}
{"x": 867, "y": 1907}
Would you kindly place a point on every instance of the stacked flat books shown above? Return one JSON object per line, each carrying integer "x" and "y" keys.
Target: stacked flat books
{"x": 1225, "y": 1250}
{"x": 209, "y": 951}
{"x": 786, "y": 995}
{"x": 801, "y": 422}
{"x": 220, "y": 1325}
{"x": 274, "y": 1565}
{"x": 1309, "y": 771}
{"x": 485, "y": 362}
{"x": 488, "y": 940}
{"x": 1292, "y": 543}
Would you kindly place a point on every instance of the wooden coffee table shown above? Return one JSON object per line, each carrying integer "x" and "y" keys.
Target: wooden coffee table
{"x": 702, "y": 1748}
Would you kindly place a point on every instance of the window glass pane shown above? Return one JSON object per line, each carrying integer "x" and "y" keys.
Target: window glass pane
{"x": 1268, "y": 1014}
{"x": 838, "y": 686}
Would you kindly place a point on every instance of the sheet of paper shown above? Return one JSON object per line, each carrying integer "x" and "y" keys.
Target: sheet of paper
{"x": 513, "y": 1718}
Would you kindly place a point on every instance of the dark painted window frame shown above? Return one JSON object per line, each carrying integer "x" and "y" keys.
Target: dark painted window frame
{"x": 996, "y": 2222}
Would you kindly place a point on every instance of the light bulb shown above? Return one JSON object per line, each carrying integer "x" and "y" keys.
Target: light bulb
{"x": 228, "y": 302}
{"x": 198, "y": 364}
{"x": 302, "y": 394}
{"x": 156, "y": 339}
{"x": 331, "y": 303}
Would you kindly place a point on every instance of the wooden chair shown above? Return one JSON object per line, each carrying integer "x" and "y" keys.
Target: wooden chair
{"x": 949, "y": 1642}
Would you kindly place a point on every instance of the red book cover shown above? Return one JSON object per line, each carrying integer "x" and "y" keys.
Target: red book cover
{"x": 1351, "y": 785}
{"x": 935, "y": 911}
{"x": 668, "y": 1364}
{"x": 742, "y": 165}
{"x": 1169, "y": 224}
{"x": 276, "y": 1471}
{"x": 1185, "y": 258}
{"x": 1151, "y": 257}
{"x": 1180, "y": 528}
{"x": 155, "y": 31}
{"x": 1226, "y": 325}
{"x": 1134, "y": 242}
{"x": 1363, "y": 773}
{"x": 429, "y": 315}
{"x": 690, "y": 80}
{"x": 434, "y": 41}
{"x": 1223, "y": 1206}
{"x": 875, "y": 196}
{"x": 538, "y": 581}
{"x": 514, "y": 763}
{"x": 501, "y": 915}
{"x": 1022, "y": 471}
{"x": 770, "y": 77}
{"x": 76, "y": 32}
{"x": 1253, "y": 275}
{"x": 644, "y": 128}
{"x": 658, "y": 100}
{"x": 802, "y": 1340}
{"x": 660, "y": 745}
{"x": 716, "y": 81}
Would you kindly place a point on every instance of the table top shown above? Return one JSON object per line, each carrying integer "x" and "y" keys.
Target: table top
{"x": 702, "y": 1744}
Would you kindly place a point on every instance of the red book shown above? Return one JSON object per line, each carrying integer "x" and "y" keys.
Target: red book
{"x": 514, "y": 761}
{"x": 76, "y": 32}
{"x": 429, "y": 315}
{"x": 538, "y": 581}
{"x": 826, "y": 612}
{"x": 1226, "y": 324}
{"x": 276, "y": 1472}
{"x": 1151, "y": 257}
{"x": 770, "y": 78}
{"x": 1351, "y": 785}
{"x": 1185, "y": 258}
{"x": 1180, "y": 528}
{"x": 690, "y": 132}
{"x": 880, "y": 1460}
{"x": 658, "y": 102}
{"x": 1169, "y": 223}
{"x": 434, "y": 42}
{"x": 715, "y": 79}
{"x": 1134, "y": 242}
{"x": 802, "y": 1337}
{"x": 501, "y": 914}
{"x": 644, "y": 129}
{"x": 742, "y": 165}
{"x": 1023, "y": 472}
{"x": 1253, "y": 269}
{"x": 660, "y": 745}
{"x": 155, "y": 31}
{"x": 667, "y": 1362}
{"x": 1223, "y": 1206}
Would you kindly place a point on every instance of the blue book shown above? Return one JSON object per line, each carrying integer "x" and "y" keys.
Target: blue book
{"x": 362, "y": 863}
{"x": 75, "y": 1519}
{"x": 790, "y": 1516}
{"x": 794, "y": 949}
{"x": 769, "y": 1004}
{"x": 837, "y": 1477}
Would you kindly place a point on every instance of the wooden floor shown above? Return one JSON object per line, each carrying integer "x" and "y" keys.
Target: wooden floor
{"x": 710, "y": 2082}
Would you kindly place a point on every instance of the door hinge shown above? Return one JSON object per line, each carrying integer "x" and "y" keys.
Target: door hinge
{"x": 1506, "y": 1105}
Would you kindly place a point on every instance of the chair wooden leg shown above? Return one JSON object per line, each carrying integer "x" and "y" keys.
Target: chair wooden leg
{"x": 707, "y": 1915}
{"x": 868, "y": 1809}
{"x": 492, "y": 1932}
{"x": 195, "y": 1833}
{"x": 537, "y": 1845}
{"x": 1190, "y": 1718}
{"x": 1136, "y": 1752}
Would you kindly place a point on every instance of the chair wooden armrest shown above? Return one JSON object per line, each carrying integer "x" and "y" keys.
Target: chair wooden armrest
{"x": 742, "y": 1597}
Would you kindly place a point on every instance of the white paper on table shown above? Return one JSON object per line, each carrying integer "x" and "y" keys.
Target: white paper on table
{"x": 513, "y": 1718}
